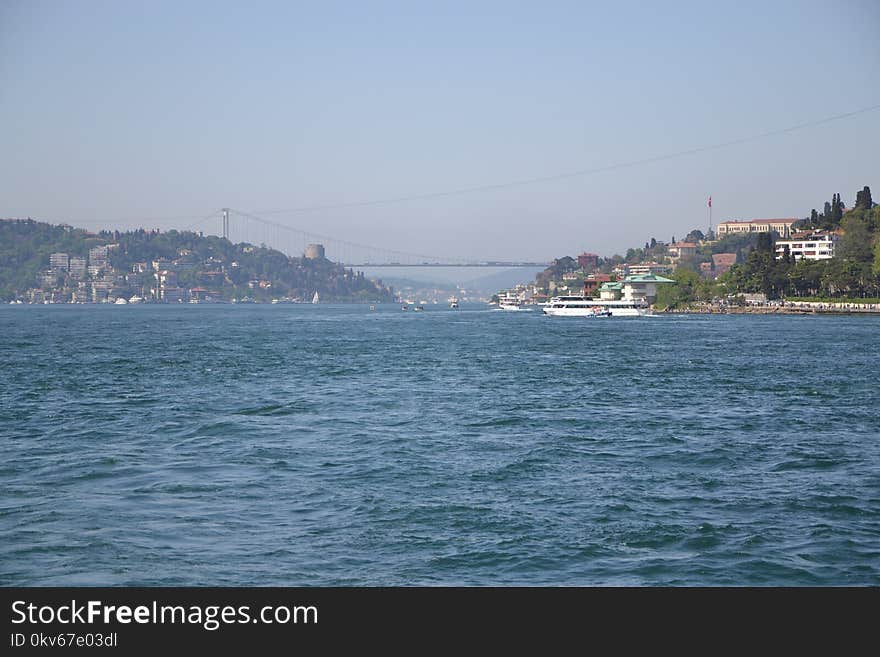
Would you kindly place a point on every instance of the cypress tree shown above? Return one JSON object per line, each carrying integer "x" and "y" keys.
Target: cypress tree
{"x": 836, "y": 210}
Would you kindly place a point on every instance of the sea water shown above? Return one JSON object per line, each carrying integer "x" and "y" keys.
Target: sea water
{"x": 335, "y": 445}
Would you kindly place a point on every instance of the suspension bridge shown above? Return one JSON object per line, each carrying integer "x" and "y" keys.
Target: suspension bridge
{"x": 239, "y": 226}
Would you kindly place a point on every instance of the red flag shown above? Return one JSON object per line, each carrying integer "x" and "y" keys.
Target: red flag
{"x": 710, "y": 201}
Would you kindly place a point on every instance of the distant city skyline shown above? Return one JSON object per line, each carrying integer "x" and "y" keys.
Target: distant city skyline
{"x": 118, "y": 116}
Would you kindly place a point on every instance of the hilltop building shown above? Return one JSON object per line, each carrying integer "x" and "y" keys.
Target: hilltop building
{"x": 678, "y": 250}
{"x": 588, "y": 261}
{"x": 782, "y": 226}
{"x": 314, "y": 252}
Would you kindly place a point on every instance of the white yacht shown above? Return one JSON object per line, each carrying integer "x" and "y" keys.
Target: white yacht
{"x": 316, "y": 298}
{"x": 581, "y": 306}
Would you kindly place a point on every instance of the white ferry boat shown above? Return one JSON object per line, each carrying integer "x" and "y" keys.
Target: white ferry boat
{"x": 581, "y": 306}
{"x": 631, "y": 297}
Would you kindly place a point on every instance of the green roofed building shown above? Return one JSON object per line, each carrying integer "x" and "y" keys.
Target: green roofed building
{"x": 634, "y": 288}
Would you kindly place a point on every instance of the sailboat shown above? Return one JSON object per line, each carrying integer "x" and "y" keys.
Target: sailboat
{"x": 316, "y": 298}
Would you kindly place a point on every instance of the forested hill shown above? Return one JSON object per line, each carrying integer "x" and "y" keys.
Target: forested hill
{"x": 200, "y": 262}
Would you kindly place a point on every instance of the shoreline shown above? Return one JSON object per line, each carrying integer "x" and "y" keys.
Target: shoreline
{"x": 787, "y": 308}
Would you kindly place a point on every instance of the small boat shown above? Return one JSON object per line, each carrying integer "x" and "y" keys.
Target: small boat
{"x": 417, "y": 308}
{"x": 316, "y": 298}
{"x": 121, "y": 302}
{"x": 453, "y": 302}
{"x": 404, "y": 307}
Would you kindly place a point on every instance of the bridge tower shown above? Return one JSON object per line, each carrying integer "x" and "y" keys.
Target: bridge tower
{"x": 226, "y": 223}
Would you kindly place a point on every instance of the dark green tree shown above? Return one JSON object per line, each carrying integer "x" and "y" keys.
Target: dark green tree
{"x": 855, "y": 244}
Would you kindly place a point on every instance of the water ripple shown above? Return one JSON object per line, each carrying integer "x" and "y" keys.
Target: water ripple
{"x": 294, "y": 445}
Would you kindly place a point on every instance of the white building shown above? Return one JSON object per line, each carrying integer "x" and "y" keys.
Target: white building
{"x": 815, "y": 245}
{"x": 679, "y": 250}
{"x": 782, "y": 226}
{"x": 648, "y": 268}
{"x": 77, "y": 268}
{"x": 58, "y": 261}
{"x": 633, "y": 288}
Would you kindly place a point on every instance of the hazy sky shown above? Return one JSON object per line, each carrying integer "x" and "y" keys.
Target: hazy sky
{"x": 119, "y": 114}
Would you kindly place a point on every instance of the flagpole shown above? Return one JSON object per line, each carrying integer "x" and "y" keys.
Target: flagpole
{"x": 710, "y": 215}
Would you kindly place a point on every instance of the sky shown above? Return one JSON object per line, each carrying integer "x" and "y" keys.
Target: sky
{"x": 122, "y": 114}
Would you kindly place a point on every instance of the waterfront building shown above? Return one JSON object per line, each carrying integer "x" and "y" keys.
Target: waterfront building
{"x": 782, "y": 226}
{"x": 173, "y": 294}
{"x": 809, "y": 245}
{"x": 101, "y": 290}
{"x": 611, "y": 291}
{"x": 35, "y": 295}
{"x": 81, "y": 295}
{"x": 642, "y": 286}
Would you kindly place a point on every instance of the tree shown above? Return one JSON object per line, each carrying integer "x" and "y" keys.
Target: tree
{"x": 876, "y": 267}
{"x": 765, "y": 243}
{"x": 836, "y": 210}
{"x": 855, "y": 245}
{"x": 688, "y": 287}
{"x": 695, "y": 235}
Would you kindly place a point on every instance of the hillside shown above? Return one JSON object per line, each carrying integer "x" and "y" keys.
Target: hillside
{"x": 760, "y": 267}
{"x": 167, "y": 266}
